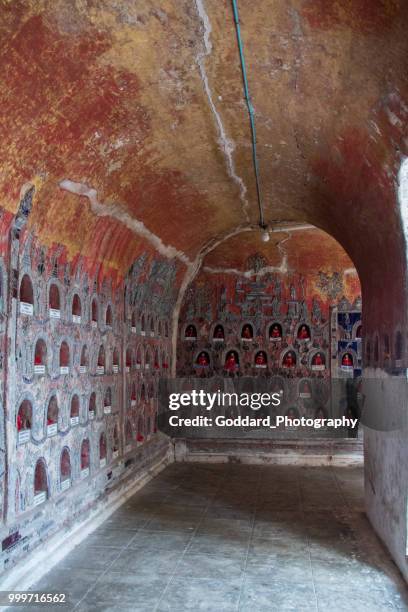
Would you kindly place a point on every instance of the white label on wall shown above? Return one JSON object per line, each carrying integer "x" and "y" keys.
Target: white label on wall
{"x": 74, "y": 420}
{"x": 152, "y": 334}
{"x": 127, "y": 369}
{"x": 85, "y": 472}
{"x": 100, "y": 370}
{"x": 82, "y": 369}
{"x": 107, "y": 409}
{"x": 102, "y": 462}
{"x": 39, "y": 498}
{"x": 39, "y": 369}
{"x": 347, "y": 368}
{"x": 147, "y": 366}
{"x": 91, "y": 414}
{"x": 305, "y": 395}
{"x": 55, "y": 313}
{"x": 115, "y": 454}
{"x": 260, "y": 365}
{"x": 52, "y": 429}
{"x": 218, "y": 339}
{"x": 65, "y": 484}
{"x": 318, "y": 368}
{"x": 398, "y": 363}
{"x": 142, "y": 333}
{"x": 133, "y": 402}
{"x": 128, "y": 448}
{"x": 94, "y": 324}
{"x": 76, "y": 318}
{"x": 26, "y": 308}
{"x": 133, "y": 329}
{"x": 64, "y": 370}
{"x": 138, "y": 366}
{"x": 115, "y": 369}
{"x": 24, "y": 436}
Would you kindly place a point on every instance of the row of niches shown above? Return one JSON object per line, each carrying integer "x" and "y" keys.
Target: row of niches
{"x": 233, "y": 360}
{"x": 77, "y": 466}
{"x": 81, "y": 311}
{"x": 60, "y": 417}
{"x": 274, "y": 332}
{"x": 62, "y": 361}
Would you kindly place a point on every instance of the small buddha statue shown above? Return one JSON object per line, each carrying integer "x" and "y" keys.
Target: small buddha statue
{"x": 347, "y": 360}
{"x": 292, "y": 413}
{"x": 260, "y": 359}
{"x": 247, "y": 332}
{"x": 190, "y": 332}
{"x": 219, "y": 332}
{"x": 231, "y": 362}
{"x": 289, "y": 360}
{"x": 275, "y": 331}
{"x": 318, "y": 360}
{"x": 303, "y": 333}
{"x": 140, "y": 437}
{"x": 202, "y": 359}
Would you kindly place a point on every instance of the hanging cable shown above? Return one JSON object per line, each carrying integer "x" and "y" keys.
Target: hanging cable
{"x": 262, "y": 224}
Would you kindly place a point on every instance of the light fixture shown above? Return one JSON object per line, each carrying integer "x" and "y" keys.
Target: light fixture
{"x": 264, "y": 233}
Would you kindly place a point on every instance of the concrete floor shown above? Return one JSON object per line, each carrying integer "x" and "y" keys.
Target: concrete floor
{"x": 233, "y": 537}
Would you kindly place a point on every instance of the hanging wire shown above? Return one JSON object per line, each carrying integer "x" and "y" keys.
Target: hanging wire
{"x": 251, "y": 115}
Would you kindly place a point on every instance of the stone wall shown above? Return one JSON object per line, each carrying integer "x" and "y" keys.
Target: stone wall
{"x": 82, "y": 353}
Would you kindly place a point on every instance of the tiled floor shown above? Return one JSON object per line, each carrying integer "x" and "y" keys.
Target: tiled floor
{"x": 230, "y": 537}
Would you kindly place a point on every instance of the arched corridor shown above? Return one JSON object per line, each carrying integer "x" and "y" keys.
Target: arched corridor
{"x": 204, "y": 199}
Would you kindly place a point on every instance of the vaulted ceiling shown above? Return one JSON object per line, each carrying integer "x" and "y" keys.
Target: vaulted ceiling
{"x": 142, "y": 103}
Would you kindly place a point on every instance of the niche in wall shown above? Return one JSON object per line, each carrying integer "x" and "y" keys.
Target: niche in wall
{"x": 24, "y": 421}
{"x": 26, "y": 296}
{"x": 85, "y": 458}
{"x": 40, "y": 483}
{"x": 65, "y": 470}
{"x": 54, "y": 302}
{"x": 76, "y": 309}
{"x": 52, "y": 416}
{"x": 40, "y": 357}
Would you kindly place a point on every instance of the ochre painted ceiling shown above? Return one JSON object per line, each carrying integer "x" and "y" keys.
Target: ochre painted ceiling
{"x": 143, "y": 102}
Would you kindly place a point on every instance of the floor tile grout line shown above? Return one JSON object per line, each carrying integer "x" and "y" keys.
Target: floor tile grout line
{"x": 302, "y": 509}
{"x": 244, "y": 573}
{"x": 194, "y": 532}
{"x": 108, "y": 567}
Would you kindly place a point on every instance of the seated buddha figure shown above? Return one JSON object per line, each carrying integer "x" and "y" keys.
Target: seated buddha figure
{"x": 203, "y": 359}
{"x": 303, "y": 333}
{"x": 275, "y": 332}
{"x": 190, "y": 332}
{"x": 347, "y": 360}
{"x": 292, "y": 413}
{"x": 289, "y": 361}
{"x": 261, "y": 359}
{"x": 305, "y": 390}
{"x": 218, "y": 332}
{"x": 318, "y": 360}
{"x": 247, "y": 333}
{"x": 231, "y": 361}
